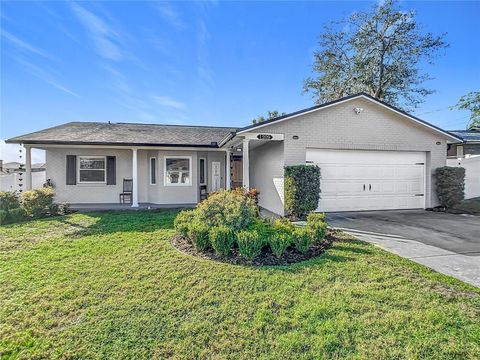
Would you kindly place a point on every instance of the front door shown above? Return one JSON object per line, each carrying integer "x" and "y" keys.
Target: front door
{"x": 215, "y": 175}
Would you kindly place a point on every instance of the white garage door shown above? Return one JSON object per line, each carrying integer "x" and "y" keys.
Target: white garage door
{"x": 354, "y": 180}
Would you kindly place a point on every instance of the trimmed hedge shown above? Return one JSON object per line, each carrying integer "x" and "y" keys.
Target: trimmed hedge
{"x": 233, "y": 209}
{"x": 198, "y": 235}
{"x": 9, "y": 200}
{"x": 221, "y": 239}
{"x": 302, "y": 189}
{"x": 450, "y": 185}
{"x": 38, "y": 201}
{"x": 225, "y": 233}
{"x": 250, "y": 243}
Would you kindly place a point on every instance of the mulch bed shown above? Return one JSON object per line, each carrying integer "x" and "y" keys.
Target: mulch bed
{"x": 266, "y": 258}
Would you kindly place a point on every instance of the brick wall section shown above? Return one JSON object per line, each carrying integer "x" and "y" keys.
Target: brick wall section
{"x": 376, "y": 128}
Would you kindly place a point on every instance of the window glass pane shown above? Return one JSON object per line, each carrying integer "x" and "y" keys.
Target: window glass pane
{"x": 153, "y": 171}
{"x": 202, "y": 171}
{"x": 177, "y": 171}
{"x": 92, "y": 163}
{"x": 92, "y": 175}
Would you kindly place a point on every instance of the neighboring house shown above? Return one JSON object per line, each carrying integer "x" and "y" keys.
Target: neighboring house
{"x": 467, "y": 155}
{"x": 470, "y": 144}
{"x": 372, "y": 157}
{"x": 12, "y": 176}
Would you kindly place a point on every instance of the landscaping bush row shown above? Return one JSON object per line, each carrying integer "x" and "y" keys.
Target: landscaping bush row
{"x": 15, "y": 207}
{"x": 229, "y": 220}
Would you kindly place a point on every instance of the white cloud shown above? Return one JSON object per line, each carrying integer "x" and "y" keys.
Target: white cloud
{"x": 168, "y": 102}
{"x": 24, "y": 46}
{"x": 11, "y": 153}
{"x": 107, "y": 41}
{"x": 171, "y": 15}
{"x": 44, "y": 76}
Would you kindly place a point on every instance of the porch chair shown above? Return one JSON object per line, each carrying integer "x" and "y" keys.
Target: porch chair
{"x": 127, "y": 191}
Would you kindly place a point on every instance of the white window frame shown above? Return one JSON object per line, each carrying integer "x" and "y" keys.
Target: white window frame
{"x": 92, "y": 157}
{"x": 204, "y": 170}
{"x": 150, "y": 172}
{"x": 189, "y": 158}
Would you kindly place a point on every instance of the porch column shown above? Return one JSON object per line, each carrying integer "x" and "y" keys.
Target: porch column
{"x": 28, "y": 168}
{"x": 228, "y": 181}
{"x": 246, "y": 164}
{"x": 134, "y": 178}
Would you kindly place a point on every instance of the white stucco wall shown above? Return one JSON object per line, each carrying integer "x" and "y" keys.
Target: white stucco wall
{"x": 472, "y": 174}
{"x": 266, "y": 175}
{"x": 102, "y": 193}
{"x": 87, "y": 193}
{"x": 16, "y": 182}
{"x": 375, "y": 128}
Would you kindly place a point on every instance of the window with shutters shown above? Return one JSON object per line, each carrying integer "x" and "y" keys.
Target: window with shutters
{"x": 91, "y": 169}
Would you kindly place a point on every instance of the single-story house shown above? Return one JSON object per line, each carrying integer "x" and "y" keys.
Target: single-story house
{"x": 469, "y": 146}
{"x": 372, "y": 156}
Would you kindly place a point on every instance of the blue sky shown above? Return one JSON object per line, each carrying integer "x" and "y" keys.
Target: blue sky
{"x": 220, "y": 63}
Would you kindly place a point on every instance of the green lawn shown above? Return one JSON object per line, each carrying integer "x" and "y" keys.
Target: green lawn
{"x": 110, "y": 285}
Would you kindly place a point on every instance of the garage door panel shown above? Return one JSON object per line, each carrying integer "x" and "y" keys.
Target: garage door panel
{"x": 369, "y": 180}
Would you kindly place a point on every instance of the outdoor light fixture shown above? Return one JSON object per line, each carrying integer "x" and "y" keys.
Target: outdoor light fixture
{"x": 358, "y": 110}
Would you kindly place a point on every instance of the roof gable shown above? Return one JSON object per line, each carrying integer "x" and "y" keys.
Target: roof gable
{"x": 343, "y": 100}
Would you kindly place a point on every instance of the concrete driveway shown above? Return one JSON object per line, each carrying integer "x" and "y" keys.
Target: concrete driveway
{"x": 447, "y": 243}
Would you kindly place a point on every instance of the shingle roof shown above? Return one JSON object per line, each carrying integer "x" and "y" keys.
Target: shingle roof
{"x": 128, "y": 134}
{"x": 467, "y": 135}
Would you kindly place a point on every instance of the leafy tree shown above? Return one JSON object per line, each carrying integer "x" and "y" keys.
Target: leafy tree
{"x": 270, "y": 115}
{"x": 378, "y": 52}
{"x": 471, "y": 102}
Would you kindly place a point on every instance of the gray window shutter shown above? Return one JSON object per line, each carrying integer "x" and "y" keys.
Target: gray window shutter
{"x": 111, "y": 171}
{"x": 71, "y": 170}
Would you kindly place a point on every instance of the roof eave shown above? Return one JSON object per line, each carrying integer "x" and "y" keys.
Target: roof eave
{"x": 101, "y": 143}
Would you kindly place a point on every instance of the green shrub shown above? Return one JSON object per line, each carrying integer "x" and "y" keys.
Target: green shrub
{"x": 16, "y": 215}
{"x": 3, "y": 217}
{"x": 182, "y": 220}
{"x": 198, "y": 235}
{"x": 12, "y": 216}
{"x": 317, "y": 230}
{"x": 9, "y": 200}
{"x": 279, "y": 243}
{"x": 450, "y": 185}
{"x": 229, "y": 208}
{"x": 316, "y": 217}
{"x": 303, "y": 239}
{"x": 38, "y": 201}
{"x": 53, "y": 209}
{"x": 283, "y": 226}
{"x": 221, "y": 239}
{"x": 302, "y": 189}
{"x": 317, "y": 226}
{"x": 250, "y": 243}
